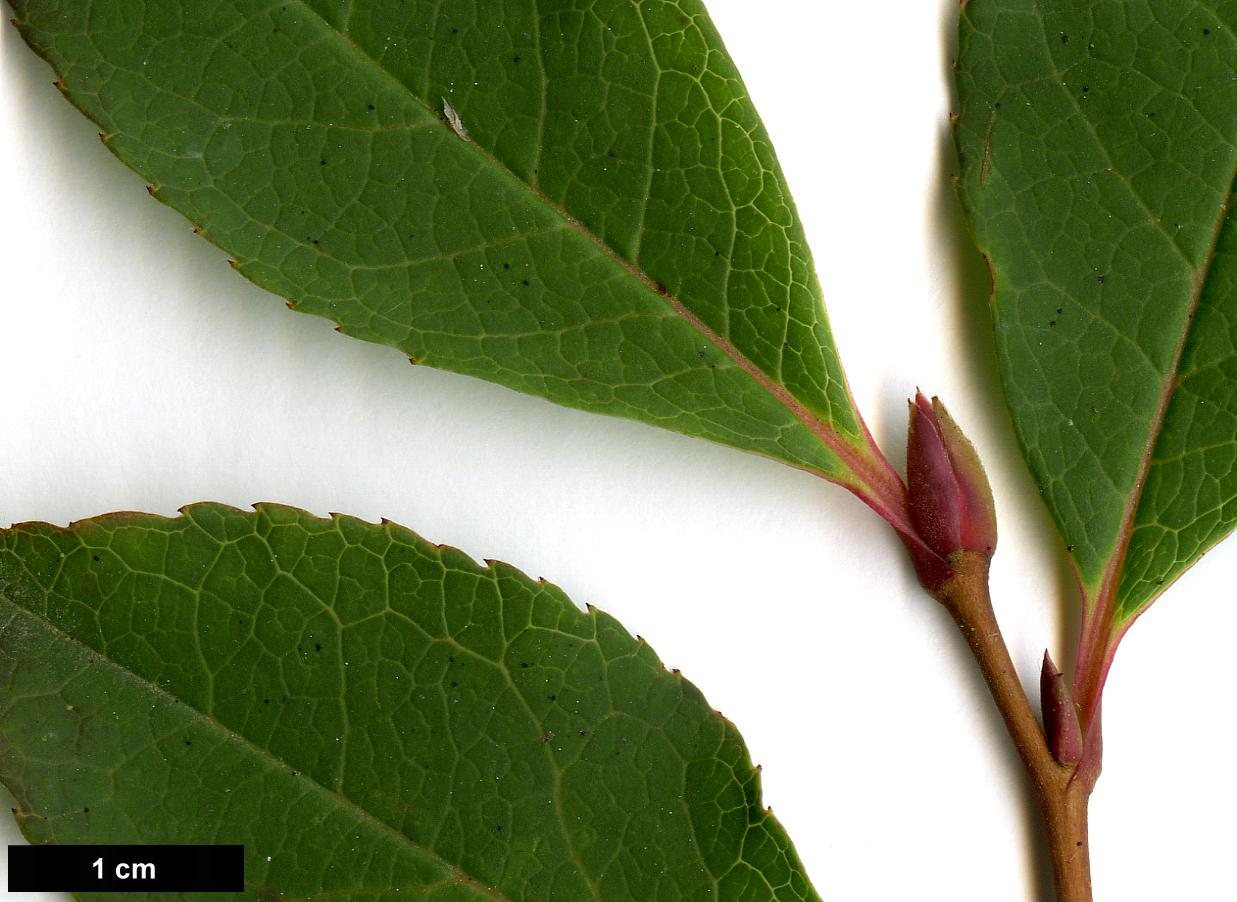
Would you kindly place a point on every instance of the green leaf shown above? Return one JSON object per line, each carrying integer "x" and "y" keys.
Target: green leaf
{"x": 579, "y": 203}
{"x": 371, "y": 715}
{"x": 1098, "y": 145}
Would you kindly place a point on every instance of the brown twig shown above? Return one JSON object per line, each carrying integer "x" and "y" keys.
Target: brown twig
{"x": 1062, "y": 791}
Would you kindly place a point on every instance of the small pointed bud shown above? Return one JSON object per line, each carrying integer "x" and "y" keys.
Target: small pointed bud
{"x": 948, "y": 495}
{"x": 978, "y": 526}
{"x": 933, "y": 494}
{"x": 1061, "y": 726}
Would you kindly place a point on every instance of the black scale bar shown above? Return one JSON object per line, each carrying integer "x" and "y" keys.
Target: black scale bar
{"x": 133, "y": 869}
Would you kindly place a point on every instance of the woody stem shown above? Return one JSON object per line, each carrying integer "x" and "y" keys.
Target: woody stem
{"x": 1061, "y": 794}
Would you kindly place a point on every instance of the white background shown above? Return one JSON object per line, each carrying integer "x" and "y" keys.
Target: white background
{"x": 139, "y": 372}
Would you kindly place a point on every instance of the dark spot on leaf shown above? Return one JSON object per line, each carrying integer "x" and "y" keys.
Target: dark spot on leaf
{"x": 514, "y": 59}
{"x": 552, "y": 698}
{"x": 1085, "y": 89}
{"x": 525, "y": 665}
{"x": 369, "y": 107}
{"x": 1069, "y": 548}
{"x": 1206, "y": 31}
{"x": 524, "y": 281}
{"x": 1064, "y": 38}
{"x": 1052, "y": 322}
{"x": 96, "y": 558}
{"x": 506, "y": 266}
{"x": 455, "y": 31}
{"x": 584, "y": 732}
{"x": 317, "y": 646}
{"x": 1100, "y": 279}
{"x": 266, "y": 701}
{"x": 188, "y": 743}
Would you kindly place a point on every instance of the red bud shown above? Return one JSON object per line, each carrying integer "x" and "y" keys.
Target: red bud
{"x": 948, "y": 495}
{"x": 1061, "y": 726}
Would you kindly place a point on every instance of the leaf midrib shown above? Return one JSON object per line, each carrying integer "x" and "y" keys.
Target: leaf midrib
{"x": 874, "y": 476}
{"x": 1112, "y": 576}
{"x": 461, "y": 877}
{"x": 1105, "y": 597}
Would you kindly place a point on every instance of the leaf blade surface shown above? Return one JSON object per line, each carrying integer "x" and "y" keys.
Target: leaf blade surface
{"x": 1098, "y": 147}
{"x": 382, "y": 717}
{"x": 601, "y": 219}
